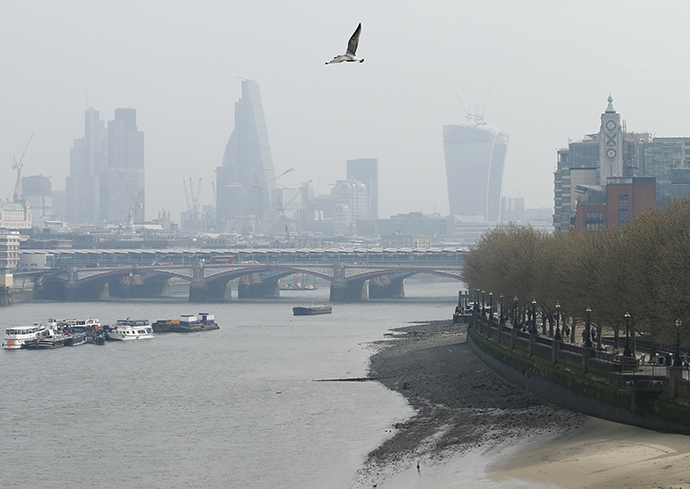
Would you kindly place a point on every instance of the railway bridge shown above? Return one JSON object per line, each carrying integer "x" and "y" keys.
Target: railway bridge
{"x": 354, "y": 274}
{"x": 210, "y": 282}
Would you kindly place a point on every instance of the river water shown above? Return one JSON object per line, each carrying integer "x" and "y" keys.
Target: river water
{"x": 238, "y": 407}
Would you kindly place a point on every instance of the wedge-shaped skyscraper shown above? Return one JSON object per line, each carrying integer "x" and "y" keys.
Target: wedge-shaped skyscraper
{"x": 475, "y": 156}
{"x": 246, "y": 179}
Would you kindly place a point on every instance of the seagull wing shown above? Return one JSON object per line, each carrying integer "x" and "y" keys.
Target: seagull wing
{"x": 354, "y": 40}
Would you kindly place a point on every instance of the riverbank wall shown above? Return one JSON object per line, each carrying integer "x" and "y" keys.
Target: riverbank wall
{"x": 594, "y": 383}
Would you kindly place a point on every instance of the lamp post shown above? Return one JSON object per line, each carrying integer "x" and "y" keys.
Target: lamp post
{"x": 676, "y": 355}
{"x": 476, "y": 300}
{"x": 588, "y": 331}
{"x": 483, "y": 303}
{"x": 627, "y": 352}
{"x": 515, "y": 313}
{"x": 558, "y": 336}
{"x": 500, "y": 298}
{"x": 534, "y": 316}
{"x": 491, "y": 306}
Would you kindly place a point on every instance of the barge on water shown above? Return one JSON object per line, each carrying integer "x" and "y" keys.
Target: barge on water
{"x": 187, "y": 323}
{"x": 312, "y": 310}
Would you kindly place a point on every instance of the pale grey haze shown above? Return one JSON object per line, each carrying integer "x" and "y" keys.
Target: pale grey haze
{"x": 549, "y": 67}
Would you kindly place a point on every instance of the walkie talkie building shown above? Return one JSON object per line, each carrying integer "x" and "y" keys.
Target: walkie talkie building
{"x": 475, "y": 156}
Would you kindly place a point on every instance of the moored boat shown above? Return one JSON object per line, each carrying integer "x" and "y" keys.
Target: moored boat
{"x": 186, "y": 324}
{"x": 75, "y": 339}
{"x": 18, "y": 337}
{"x": 312, "y": 310}
{"x": 52, "y": 337}
{"x": 130, "y": 329}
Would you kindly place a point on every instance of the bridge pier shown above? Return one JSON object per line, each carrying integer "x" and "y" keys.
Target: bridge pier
{"x": 385, "y": 288}
{"x": 346, "y": 291}
{"x": 252, "y": 287}
{"x": 198, "y": 288}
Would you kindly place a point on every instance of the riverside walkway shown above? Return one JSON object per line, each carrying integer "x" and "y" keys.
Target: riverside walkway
{"x": 587, "y": 380}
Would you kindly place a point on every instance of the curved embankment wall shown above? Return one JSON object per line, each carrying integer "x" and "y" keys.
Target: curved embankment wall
{"x": 580, "y": 393}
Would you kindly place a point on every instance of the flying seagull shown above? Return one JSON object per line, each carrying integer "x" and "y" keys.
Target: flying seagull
{"x": 349, "y": 56}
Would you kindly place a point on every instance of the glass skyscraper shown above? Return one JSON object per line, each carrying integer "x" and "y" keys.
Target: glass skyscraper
{"x": 475, "y": 156}
{"x": 246, "y": 178}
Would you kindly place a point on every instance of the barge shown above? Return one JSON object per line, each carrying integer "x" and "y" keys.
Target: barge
{"x": 187, "y": 323}
{"x": 312, "y": 310}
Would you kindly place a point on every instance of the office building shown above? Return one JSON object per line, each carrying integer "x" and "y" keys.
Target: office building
{"x": 106, "y": 181}
{"x": 37, "y": 190}
{"x": 366, "y": 170}
{"x": 587, "y": 167}
{"x": 122, "y": 182}
{"x": 616, "y": 203}
{"x": 246, "y": 179}
{"x": 475, "y": 156}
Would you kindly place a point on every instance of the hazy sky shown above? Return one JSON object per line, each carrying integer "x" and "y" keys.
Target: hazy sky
{"x": 549, "y": 67}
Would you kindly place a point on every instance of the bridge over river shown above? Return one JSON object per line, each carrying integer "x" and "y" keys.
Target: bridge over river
{"x": 353, "y": 274}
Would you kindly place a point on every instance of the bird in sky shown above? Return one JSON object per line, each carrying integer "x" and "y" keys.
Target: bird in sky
{"x": 349, "y": 56}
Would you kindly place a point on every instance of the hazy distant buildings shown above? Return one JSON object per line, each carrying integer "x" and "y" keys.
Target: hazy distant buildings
{"x": 106, "y": 181}
{"x": 606, "y": 178}
{"x": 37, "y": 190}
{"x": 366, "y": 170}
{"x": 15, "y": 215}
{"x": 122, "y": 182}
{"x": 246, "y": 179}
{"x": 475, "y": 156}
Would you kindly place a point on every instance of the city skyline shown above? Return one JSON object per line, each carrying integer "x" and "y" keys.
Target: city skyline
{"x": 62, "y": 59}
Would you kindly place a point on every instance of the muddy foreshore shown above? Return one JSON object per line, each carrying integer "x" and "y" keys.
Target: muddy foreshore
{"x": 460, "y": 403}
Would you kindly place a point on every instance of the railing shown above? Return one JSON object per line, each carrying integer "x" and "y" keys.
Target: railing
{"x": 634, "y": 375}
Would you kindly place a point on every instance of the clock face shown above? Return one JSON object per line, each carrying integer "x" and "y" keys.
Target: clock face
{"x": 611, "y": 153}
{"x": 610, "y": 125}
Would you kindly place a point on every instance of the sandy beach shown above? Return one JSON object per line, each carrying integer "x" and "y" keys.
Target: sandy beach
{"x": 474, "y": 429}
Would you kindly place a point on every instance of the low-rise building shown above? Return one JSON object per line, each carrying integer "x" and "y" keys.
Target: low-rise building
{"x": 15, "y": 215}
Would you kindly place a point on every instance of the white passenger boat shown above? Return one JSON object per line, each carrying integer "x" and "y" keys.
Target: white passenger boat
{"x": 22, "y": 336}
{"x": 80, "y": 325}
{"x": 131, "y": 329}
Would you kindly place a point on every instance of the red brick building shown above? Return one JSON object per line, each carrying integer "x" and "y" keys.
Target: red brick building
{"x": 619, "y": 202}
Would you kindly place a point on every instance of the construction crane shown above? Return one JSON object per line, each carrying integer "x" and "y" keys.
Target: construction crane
{"x": 18, "y": 165}
{"x": 297, "y": 194}
{"x": 258, "y": 185}
{"x": 192, "y": 196}
{"x": 136, "y": 202}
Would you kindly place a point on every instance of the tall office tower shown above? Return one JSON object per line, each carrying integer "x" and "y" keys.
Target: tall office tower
{"x": 106, "y": 182}
{"x": 352, "y": 201}
{"x": 82, "y": 186}
{"x": 366, "y": 170}
{"x": 37, "y": 189}
{"x": 475, "y": 155}
{"x": 246, "y": 178}
{"x": 122, "y": 182}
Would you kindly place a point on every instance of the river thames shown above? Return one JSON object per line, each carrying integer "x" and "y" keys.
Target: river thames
{"x": 235, "y": 407}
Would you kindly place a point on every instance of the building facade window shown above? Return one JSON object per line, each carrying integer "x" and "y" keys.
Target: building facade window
{"x": 595, "y": 220}
{"x": 623, "y": 209}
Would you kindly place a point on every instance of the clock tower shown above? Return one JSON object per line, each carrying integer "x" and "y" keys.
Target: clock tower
{"x": 610, "y": 144}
